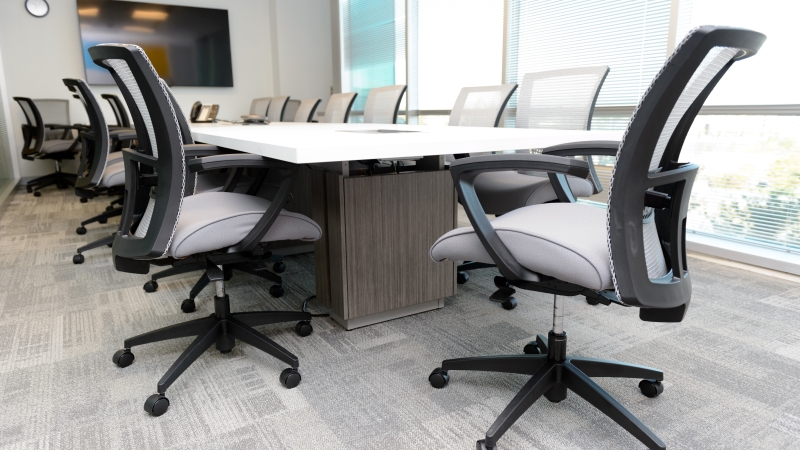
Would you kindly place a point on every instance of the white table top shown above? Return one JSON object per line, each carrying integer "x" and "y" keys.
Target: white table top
{"x": 308, "y": 143}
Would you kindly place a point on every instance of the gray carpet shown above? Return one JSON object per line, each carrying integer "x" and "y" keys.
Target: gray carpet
{"x": 732, "y": 368}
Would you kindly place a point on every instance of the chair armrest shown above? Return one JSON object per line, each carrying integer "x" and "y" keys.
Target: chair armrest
{"x": 587, "y": 148}
{"x": 122, "y": 134}
{"x": 465, "y": 171}
{"x": 287, "y": 171}
{"x": 234, "y": 161}
{"x": 200, "y": 150}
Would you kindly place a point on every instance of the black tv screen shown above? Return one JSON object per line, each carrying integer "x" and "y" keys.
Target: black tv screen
{"x": 187, "y": 46}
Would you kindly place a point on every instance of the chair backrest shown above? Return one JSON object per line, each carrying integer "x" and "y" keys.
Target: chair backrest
{"x": 97, "y": 144}
{"x": 159, "y": 152}
{"x": 305, "y": 112}
{"x": 276, "y": 108}
{"x": 54, "y": 111}
{"x": 33, "y": 132}
{"x": 383, "y": 104}
{"x": 119, "y": 111}
{"x": 186, "y": 135}
{"x": 561, "y": 99}
{"x": 260, "y": 105}
{"x": 646, "y": 230}
{"x": 338, "y": 109}
{"x": 481, "y": 106}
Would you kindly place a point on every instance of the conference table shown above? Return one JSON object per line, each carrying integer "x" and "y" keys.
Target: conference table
{"x": 372, "y": 263}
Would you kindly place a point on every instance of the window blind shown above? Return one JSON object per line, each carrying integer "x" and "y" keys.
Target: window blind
{"x": 373, "y": 46}
{"x": 460, "y": 45}
{"x": 630, "y": 36}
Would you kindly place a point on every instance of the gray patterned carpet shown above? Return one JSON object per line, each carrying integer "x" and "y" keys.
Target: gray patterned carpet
{"x": 732, "y": 368}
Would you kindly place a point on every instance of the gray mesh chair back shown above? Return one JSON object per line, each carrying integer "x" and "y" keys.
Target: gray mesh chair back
{"x": 338, "y": 109}
{"x": 260, "y": 105}
{"x": 33, "y": 131}
{"x": 647, "y": 246}
{"x": 97, "y": 144}
{"x": 481, "y": 106}
{"x": 305, "y": 112}
{"x": 561, "y": 99}
{"x": 146, "y": 231}
{"x": 54, "y": 111}
{"x": 277, "y": 106}
{"x": 383, "y": 104}
{"x": 123, "y": 121}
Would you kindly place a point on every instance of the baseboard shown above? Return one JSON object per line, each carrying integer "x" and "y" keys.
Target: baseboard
{"x": 743, "y": 253}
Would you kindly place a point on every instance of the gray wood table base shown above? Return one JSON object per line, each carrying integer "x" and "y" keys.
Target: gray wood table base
{"x": 372, "y": 262}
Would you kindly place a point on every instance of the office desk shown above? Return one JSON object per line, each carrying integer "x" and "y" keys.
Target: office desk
{"x": 372, "y": 262}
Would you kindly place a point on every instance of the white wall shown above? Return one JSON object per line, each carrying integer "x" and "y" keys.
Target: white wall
{"x": 304, "y": 49}
{"x": 39, "y": 52}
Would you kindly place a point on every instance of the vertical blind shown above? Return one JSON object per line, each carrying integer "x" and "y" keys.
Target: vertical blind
{"x": 373, "y": 46}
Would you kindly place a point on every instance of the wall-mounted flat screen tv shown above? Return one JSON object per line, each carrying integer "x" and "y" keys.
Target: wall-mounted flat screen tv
{"x": 187, "y": 46}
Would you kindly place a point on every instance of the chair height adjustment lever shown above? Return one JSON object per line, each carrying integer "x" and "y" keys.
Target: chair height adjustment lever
{"x": 213, "y": 272}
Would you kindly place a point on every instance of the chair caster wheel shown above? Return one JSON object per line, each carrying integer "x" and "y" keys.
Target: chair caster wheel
{"x": 439, "y": 378}
{"x": 651, "y": 388}
{"x": 276, "y": 290}
{"x": 591, "y": 301}
{"x": 80, "y": 230}
{"x": 188, "y": 305}
{"x": 279, "y": 267}
{"x": 37, "y": 194}
{"x": 532, "y": 348}
{"x": 77, "y": 259}
{"x": 509, "y": 304}
{"x": 102, "y": 220}
{"x": 84, "y": 200}
{"x": 156, "y": 405}
{"x": 481, "y": 445}
{"x": 29, "y": 189}
{"x": 304, "y": 328}
{"x": 123, "y": 358}
{"x": 290, "y": 378}
{"x": 150, "y": 286}
{"x": 462, "y": 277}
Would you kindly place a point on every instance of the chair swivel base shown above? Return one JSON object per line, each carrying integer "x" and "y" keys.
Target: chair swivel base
{"x": 222, "y": 328}
{"x": 107, "y": 241}
{"x": 553, "y": 374}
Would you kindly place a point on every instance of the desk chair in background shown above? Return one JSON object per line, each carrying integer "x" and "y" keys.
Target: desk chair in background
{"x": 556, "y": 99}
{"x": 97, "y": 175}
{"x": 632, "y": 254}
{"x": 338, "y": 109}
{"x": 214, "y": 228}
{"x": 260, "y": 106}
{"x": 383, "y": 104}
{"x": 48, "y": 135}
{"x": 120, "y": 114}
{"x": 277, "y": 107}
{"x": 305, "y": 112}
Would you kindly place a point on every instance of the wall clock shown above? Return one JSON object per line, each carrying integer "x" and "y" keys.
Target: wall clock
{"x": 37, "y": 8}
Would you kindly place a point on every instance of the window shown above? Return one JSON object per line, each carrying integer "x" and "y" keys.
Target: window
{"x": 373, "y": 46}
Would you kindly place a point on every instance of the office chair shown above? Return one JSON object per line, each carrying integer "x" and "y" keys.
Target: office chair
{"x": 383, "y": 104}
{"x": 338, "y": 109}
{"x": 97, "y": 175}
{"x": 277, "y": 107}
{"x": 218, "y": 181}
{"x": 120, "y": 114}
{"x": 215, "y": 228}
{"x": 260, "y": 106}
{"x": 632, "y": 254}
{"x": 305, "y": 112}
{"x": 561, "y": 99}
{"x": 46, "y": 138}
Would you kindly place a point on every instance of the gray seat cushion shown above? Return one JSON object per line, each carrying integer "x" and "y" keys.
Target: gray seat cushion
{"x": 56, "y": 145}
{"x": 114, "y": 175}
{"x": 501, "y": 192}
{"x": 215, "y": 220}
{"x": 567, "y": 241}
{"x": 114, "y": 156}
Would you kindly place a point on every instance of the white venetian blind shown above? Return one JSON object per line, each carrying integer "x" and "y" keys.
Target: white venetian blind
{"x": 373, "y": 46}
{"x": 629, "y": 36}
